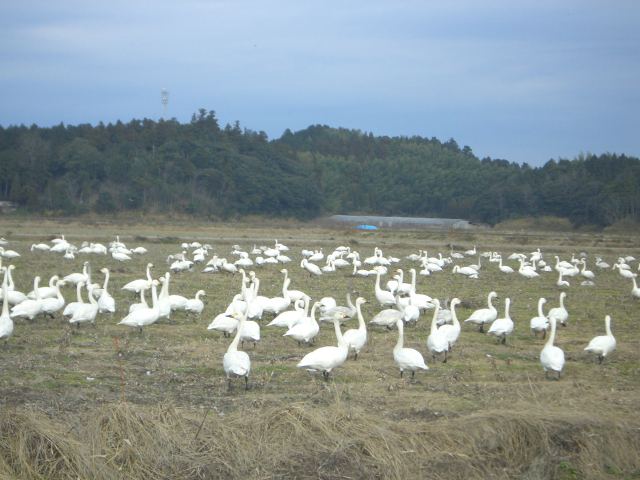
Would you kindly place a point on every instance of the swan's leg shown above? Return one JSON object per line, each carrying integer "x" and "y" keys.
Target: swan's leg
{"x": 600, "y": 359}
{"x": 246, "y": 382}
{"x": 544, "y": 333}
{"x": 401, "y": 372}
{"x": 413, "y": 374}
{"x": 445, "y": 356}
{"x": 228, "y": 383}
{"x": 504, "y": 340}
{"x": 481, "y": 330}
{"x": 355, "y": 357}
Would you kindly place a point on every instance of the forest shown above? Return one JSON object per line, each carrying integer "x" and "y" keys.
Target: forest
{"x": 202, "y": 169}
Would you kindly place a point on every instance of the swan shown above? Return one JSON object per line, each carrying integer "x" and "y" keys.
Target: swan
{"x": 6, "y": 324}
{"x": 74, "y": 278}
{"x": 45, "y": 292}
{"x": 325, "y": 359}
{"x": 560, "y": 313}
{"x": 552, "y": 357}
{"x": 471, "y": 252}
{"x": 120, "y": 256}
{"x": 135, "y": 286}
{"x": 144, "y": 316}
{"x": 603, "y": 345}
{"x": 561, "y": 283}
{"x": 276, "y": 305}
{"x": 86, "y": 312}
{"x": 9, "y": 253}
{"x": 224, "y": 323}
{"x": 588, "y": 274}
{"x": 527, "y": 271}
{"x": 635, "y": 291}
{"x": 502, "y": 327}
{"x": 41, "y": 247}
{"x": 386, "y": 318}
{"x": 306, "y": 330}
{"x": 407, "y": 358}
{"x": 601, "y": 263}
{"x": 106, "y": 303}
{"x": 29, "y": 308}
{"x": 437, "y": 341}
{"x": 423, "y": 302}
{"x": 52, "y": 305}
{"x": 541, "y": 322}
{"x": 625, "y": 273}
{"x": 141, "y": 304}
{"x": 452, "y": 332}
{"x": 70, "y": 307}
{"x": 294, "y": 295}
{"x": 14, "y": 296}
{"x": 291, "y": 317}
{"x": 384, "y": 297}
{"x": 312, "y": 268}
{"x": 356, "y": 338}
{"x": 484, "y": 315}
{"x": 504, "y": 268}
{"x": 195, "y": 305}
{"x": 466, "y": 271}
{"x": 237, "y": 363}
{"x": 340, "y": 312}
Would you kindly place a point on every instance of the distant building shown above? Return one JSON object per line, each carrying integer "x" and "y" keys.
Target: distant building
{"x": 7, "y": 207}
{"x": 400, "y": 222}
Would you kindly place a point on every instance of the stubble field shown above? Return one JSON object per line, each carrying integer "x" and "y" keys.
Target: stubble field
{"x": 106, "y": 401}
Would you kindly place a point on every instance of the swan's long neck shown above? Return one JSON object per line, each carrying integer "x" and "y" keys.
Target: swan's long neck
{"x": 507, "y": 304}
{"x": 5, "y": 300}
{"x": 361, "y": 324}
{"x": 454, "y": 316}
{"x": 607, "y": 325}
{"x": 413, "y": 280}
{"x": 313, "y": 313}
{"x": 52, "y": 281}
{"x": 434, "y": 320}
{"x": 400, "y": 342}
{"x": 92, "y": 300}
{"x": 142, "y": 299}
{"x": 541, "y": 302}
{"x": 349, "y": 302}
{"x": 489, "y": 298}
{"x": 164, "y": 291}
{"x": 149, "y": 272}
{"x": 233, "y": 347}
{"x": 341, "y": 342}
{"x": 58, "y": 292}
{"x": 79, "y": 292}
{"x": 106, "y": 280}
{"x": 154, "y": 295}
{"x": 36, "y": 281}
{"x": 12, "y": 286}
{"x": 562, "y": 301}
{"x": 552, "y": 335}
{"x": 285, "y": 287}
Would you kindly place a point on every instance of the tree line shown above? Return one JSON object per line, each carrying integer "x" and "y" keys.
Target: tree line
{"x": 207, "y": 170}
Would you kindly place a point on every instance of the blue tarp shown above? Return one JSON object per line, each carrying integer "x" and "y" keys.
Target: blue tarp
{"x": 366, "y": 227}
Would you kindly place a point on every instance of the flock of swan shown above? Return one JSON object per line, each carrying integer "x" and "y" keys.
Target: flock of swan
{"x": 293, "y": 310}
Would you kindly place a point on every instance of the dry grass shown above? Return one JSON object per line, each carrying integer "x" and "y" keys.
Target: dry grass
{"x": 487, "y": 413}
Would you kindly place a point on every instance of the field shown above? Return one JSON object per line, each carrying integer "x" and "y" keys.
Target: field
{"x": 110, "y": 402}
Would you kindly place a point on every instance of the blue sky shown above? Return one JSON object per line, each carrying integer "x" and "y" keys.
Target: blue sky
{"x": 525, "y": 80}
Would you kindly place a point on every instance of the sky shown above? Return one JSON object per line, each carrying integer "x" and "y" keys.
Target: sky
{"x": 526, "y": 80}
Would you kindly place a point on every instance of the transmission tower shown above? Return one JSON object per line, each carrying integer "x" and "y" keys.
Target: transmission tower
{"x": 164, "y": 98}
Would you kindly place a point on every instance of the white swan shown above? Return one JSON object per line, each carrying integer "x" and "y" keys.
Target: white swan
{"x": 6, "y": 324}
{"x": 437, "y": 342}
{"x": 312, "y": 268}
{"x": 603, "y": 345}
{"x": 356, "y": 338}
{"x": 560, "y": 313}
{"x": 635, "y": 291}
{"x": 14, "y": 296}
{"x": 504, "y": 268}
{"x": 45, "y": 292}
{"x": 552, "y": 357}
{"x": 325, "y": 359}
{"x": 291, "y": 317}
{"x": 407, "y": 358}
{"x": 502, "y": 327}
{"x": 52, "y": 305}
{"x": 588, "y": 274}
{"x": 561, "y": 283}
{"x": 340, "y": 312}
{"x": 541, "y": 322}
{"x": 294, "y": 295}
{"x": 75, "y": 278}
{"x": 29, "y": 308}
{"x": 195, "y": 305}
{"x": 86, "y": 312}
{"x": 237, "y": 363}
{"x": 466, "y": 271}
{"x": 484, "y": 315}
{"x": 306, "y": 330}
{"x": 144, "y": 316}
{"x": 106, "y": 303}
{"x": 452, "y": 332}
{"x": 135, "y": 286}
{"x": 384, "y": 297}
